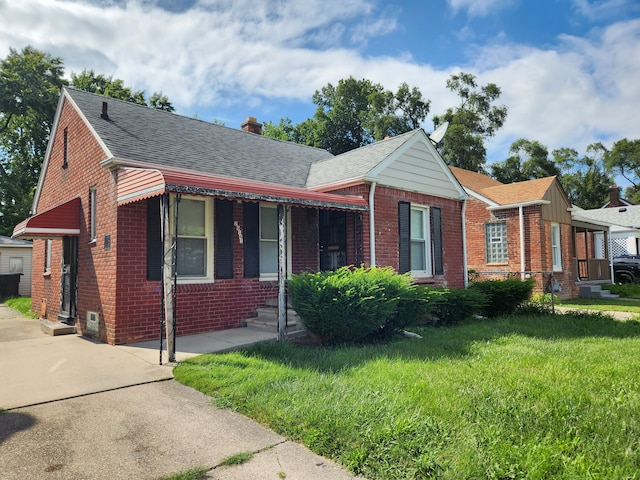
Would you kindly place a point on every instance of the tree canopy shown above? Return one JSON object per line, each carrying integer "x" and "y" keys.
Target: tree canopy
{"x": 528, "y": 160}
{"x": 624, "y": 159}
{"x": 30, "y": 83}
{"x": 471, "y": 123}
{"x": 352, "y": 114}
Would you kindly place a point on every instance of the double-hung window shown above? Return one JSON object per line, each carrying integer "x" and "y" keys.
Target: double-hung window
{"x": 556, "y": 254}
{"x": 495, "y": 236}
{"x": 268, "y": 240}
{"x": 195, "y": 238}
{"x": 420, "y": 242}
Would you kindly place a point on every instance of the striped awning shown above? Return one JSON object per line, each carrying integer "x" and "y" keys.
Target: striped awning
{"x": 136, "y": 184}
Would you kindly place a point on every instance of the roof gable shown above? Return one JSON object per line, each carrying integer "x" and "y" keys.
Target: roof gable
{"x": 405, "y": 162}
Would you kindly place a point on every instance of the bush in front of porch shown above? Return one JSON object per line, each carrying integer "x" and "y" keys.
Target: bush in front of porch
{"x": 355, "y": 305}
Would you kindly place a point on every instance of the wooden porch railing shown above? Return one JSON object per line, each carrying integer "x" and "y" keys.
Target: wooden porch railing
{"x": 592, "y": 269}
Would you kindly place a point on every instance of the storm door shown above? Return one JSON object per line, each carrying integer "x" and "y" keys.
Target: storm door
{"x": 68, "y": 278}
{"x": 333, "y": 239}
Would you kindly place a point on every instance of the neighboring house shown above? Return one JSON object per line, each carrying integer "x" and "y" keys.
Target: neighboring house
{"x": 526, "y": 229}
{"x": 625, "y": 230}
{"x": 126, "y": 192}
{"x": 615, "y": 200}
{"x": 15, "y": 259}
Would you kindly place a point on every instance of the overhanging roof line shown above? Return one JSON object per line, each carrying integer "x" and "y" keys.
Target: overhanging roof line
{"x": 521, "y": 204}
{"x": 358, "y": 204}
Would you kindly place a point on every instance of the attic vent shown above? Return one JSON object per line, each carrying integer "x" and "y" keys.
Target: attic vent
{"x": 104, "y": 115}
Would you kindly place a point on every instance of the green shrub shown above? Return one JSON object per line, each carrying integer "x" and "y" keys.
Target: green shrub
{"x": 356, "y": 304}
{"x": 503, "y": 296}
{"x": 450, "y": 306}
{"x": 625, "y": 290}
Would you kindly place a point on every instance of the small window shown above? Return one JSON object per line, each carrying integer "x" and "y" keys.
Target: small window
{"x": 496, "y": 242}
{"x": 65, "y": 159}
{"x": 15, "y": 265}
{"x": 556, "y": 251}
{"x": 93, "y": 209}
{"x": 47, "y": 255}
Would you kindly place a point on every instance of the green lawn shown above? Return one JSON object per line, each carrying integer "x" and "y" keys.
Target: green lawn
{"x": 21, "y": 304}
{"x": 537, "y": 396}
{"x": 619, "y": 305}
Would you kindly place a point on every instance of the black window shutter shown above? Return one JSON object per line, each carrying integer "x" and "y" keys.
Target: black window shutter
{"x": 251, "y": 220}
{"x": 154, "y": 240}
{"x": 436, "y": 236}
{"x": 404, "y": 230}
{"x": 224, "y": 238}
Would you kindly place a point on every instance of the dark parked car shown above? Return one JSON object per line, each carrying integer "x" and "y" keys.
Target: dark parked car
{"x": 626, "y": 269}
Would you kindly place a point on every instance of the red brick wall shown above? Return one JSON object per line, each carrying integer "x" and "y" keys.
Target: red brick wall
{"x": 386, "y": 227}
{"x": 537, "y": 255}
{"x": 96, "y": 266}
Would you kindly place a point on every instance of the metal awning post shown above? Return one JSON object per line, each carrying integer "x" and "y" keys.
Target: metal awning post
{"x": 282, "y": 272}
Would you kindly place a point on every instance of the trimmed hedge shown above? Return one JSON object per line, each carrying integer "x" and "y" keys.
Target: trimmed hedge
{"x": 502, "y": 297}
{"x": 356, "y": 304}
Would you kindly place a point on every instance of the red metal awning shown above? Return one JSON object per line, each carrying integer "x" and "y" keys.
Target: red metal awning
{"x": 136, "y": 184}
{"x": 60, "y": 221}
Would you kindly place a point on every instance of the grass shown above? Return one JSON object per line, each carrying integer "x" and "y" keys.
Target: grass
{"x": 605, "y": 304}
{"x": 198, "y": 473}
{"x": 20, "y": 304}
{"x": 237, "y": 459}
{"x": 537, "y": 396}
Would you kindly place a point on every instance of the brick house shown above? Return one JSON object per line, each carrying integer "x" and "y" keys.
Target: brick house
{"x": 141, "y": 214}
{"x": 528, "y": 229}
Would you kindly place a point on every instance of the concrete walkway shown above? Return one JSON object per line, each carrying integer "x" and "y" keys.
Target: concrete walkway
{"x": 77, "y": 409}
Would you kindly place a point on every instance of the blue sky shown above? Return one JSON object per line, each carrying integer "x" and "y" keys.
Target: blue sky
{"x": 569, "y": 70}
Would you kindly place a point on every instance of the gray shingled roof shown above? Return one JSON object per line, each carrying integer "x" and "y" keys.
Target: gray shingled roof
{"x": 355, "y": 164}
{"x": 143, "y": 134}
{"x": 14, "y": 242}
{"x": 624, "y": 216}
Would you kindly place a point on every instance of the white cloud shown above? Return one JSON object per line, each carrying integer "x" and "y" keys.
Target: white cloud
{"x": 240, "y": 55}
{"x": 582, "y": 92}
{"x": 478, "y": 8}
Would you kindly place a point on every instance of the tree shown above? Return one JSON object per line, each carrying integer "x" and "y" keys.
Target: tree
{"x": 472, "y": 122}
{"x": 528, "y": 161}
{"x": 352, "y": 114}
{"x": 585, "y": 179}
{"x": 88, "y": 81}
{"x": 624, "y": 160}
{"x": 30, "y": 83}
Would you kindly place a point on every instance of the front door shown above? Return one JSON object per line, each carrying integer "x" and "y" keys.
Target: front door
{"x": 68, "y": 279}
{"x": 333, "y": 239}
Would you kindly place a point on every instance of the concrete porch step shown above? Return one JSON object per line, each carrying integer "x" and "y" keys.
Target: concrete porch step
{"x": 266, "y": 319}
{"x": 595, "y": 291}
{"x": 56, "y": 328}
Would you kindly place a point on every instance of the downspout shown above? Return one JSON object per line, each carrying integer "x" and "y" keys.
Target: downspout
{"x": 282, "y": 272}
{"x": 610, "y": 254}
{"x": 372, "y": 226}
{"x": 522, "y": 262}
{"x": 465, "y": 269}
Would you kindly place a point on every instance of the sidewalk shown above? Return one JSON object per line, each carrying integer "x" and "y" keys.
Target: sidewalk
{"x": 77, "y": 409}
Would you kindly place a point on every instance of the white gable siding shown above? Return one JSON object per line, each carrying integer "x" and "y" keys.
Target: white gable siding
{"x": 417, "y": 170}
{"x": 6, "y": 254}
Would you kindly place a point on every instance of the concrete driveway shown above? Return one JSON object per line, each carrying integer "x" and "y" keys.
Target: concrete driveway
{"x": 76, "y": 409}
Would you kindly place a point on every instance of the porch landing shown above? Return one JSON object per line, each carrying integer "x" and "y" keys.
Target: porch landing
{"x": 188, "y": 346}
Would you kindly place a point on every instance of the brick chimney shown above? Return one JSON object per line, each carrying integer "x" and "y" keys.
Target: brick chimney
{"x": 614, "y": 196}
{"x": 251, "y": 125}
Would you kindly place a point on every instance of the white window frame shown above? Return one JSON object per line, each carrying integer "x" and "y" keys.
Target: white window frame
{"x": 93, "y": 211}
{"x": 488, "y": 240}
{"x": 270, "y": 276}
{"x": 425, "y": 241}
{"x": 556, "y": 247}
{"x": 208, "y": 277}
{"x": 48, "y": 244}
